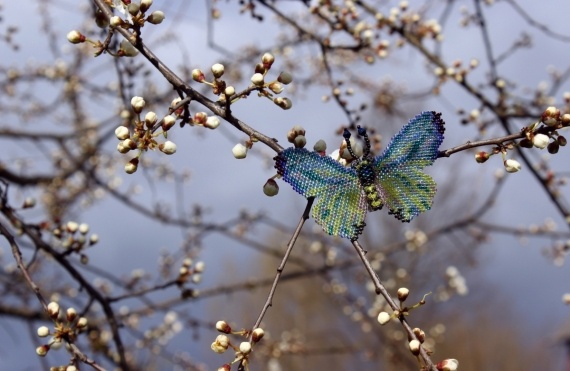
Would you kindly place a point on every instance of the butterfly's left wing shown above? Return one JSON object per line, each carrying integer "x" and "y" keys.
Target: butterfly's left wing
{"x": 402, "y": 184}
{"x": 340, "y": 205}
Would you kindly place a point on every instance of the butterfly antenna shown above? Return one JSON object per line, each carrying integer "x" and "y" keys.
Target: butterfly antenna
{"x": 346, "y": 135}
{"x": 364, "y": 135}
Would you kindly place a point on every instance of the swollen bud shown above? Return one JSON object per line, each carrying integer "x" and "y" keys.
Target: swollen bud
{"x": 270, "y": 188}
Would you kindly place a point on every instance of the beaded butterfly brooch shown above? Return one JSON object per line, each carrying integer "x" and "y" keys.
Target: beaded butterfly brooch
{"x": 394, "y": 178}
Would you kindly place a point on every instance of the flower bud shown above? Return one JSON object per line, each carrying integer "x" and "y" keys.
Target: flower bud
{"x": 168, "y": 122}
{"x": 222, "y": 326}
{"x": 116, "y": 21}
{"x": 212, "y": 122}
{"x": 29, "y": 202}
{"x": 42, "y": 350}
{"x": 93, "y": 239}
{"x": 81, "y": 322}
{"x": 101, "y": 20}
{"x": 300, "y": 141}
{"x": 448, "y": 365}
{"x": 414, "y": 347}
{"x": 257, "y": 79}
{"x": 150, "y": 119}
{"x": 550, "y": 116}
{"x": 420, "y": 334}
{"x": 284, "y": 103}
{"x": 53, "y": 309}
{"x": 257, "y": 335}
{"x": 145, "y": 5}
{"x": 71, "y": 313}
{"x": 245, "y": 347}
{"x": 403, "y": 293}
{"x": 512, "y": 166}
{"x": 138, "y": 104}
{"x": 218, "y": 70}
{"x": 540, "y": 141}
{"x": 270, "y": 188}
{"x": 320, "y": 147}
{"x": 285, "y": 78}
{"x": 198, "y": 75}
{"x": 126, "y": 49}
{"x": 122, "y": 132}
{"x": 133, "y": 8}
{"x": 482, "y": 157}
{"x": 75, "y": 37}
{"x": 132, "y": 165}
{"x": 267, "y": 59}
{"x": 553, "y": 148}
{"x": 43, "y": 331}
{"x": 384, "y": 318}
{"x": 156, "y": 17}
{"x": 71, "y": 226}
{"x": 229, "y": 91}
{"x": 239, "y": 151}
{"x": 167, "y": 147}
{"x": 561, "y": 141}
{"x": 276, "y": 87}
{"x": 220, "y": 345}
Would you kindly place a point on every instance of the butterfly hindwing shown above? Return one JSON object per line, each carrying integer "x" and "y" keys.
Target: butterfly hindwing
{"x": 405, "y": 189}
{"x": 340, "y": 205}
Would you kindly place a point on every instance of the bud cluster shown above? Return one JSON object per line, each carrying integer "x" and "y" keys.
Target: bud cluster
{"x": 190, "y": 271}
{"x": 243, "y": 350}
{"x": 227, "y": 93}
{"x": 141, "y": 137}
{"x": 67, "y": 326}
{"x": 73, "y": 238}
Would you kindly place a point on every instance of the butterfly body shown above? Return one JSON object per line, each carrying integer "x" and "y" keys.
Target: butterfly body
{"x": 394, "y": 178}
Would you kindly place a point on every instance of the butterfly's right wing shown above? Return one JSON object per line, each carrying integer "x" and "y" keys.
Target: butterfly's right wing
{"x": 404, "y": 187}
{"x": 340, "y": 205}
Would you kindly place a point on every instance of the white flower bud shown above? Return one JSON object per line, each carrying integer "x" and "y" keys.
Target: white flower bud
{"x": 230, "y": 90}
{"x": 83, "y": 228}
{"x": 276, "y": 87}
{"x": 257, "y": 79}
{"x": 267, "y": 59}
{"x": 156, "y": 17}
{"x": 212, "y": 122}
{"x": 93, "y": 239}
{"x": 222, "y": 326}
{"x": 257, "y": 335}
{"x": 71, "y": 313}
{"x": 540, "y": 141}
{"x": 167, "y": 147}
{"x": 245, "y": 347}
{"x": 414, "y": 346}
{"x": 122, "y": 132}
{"x": 218, "y": 70}
{"x": 512, "y": 166}
{"x": 115, "y": 21}
{"x": 448, "y": 365}
{"x": 403, "y": 293}
{"x": 199, "y": 267}
{"x": 75, "y": 37}
{"x": 138, "y": 104}
{"x": 42, "y": 350}
{"x": 384, "y": 318}
{"x": 239, "y": 151}
{"x": 131, "y": 166}
{"x": 150, "y": 119}
{"x": 43, "y": 331}
{"x": 168, "y": 122}
{"x": 53, "y": 309}
{"x": 82, "y": 322}
{"x": 72, "y": 227}
{"x": 197, "y": 75}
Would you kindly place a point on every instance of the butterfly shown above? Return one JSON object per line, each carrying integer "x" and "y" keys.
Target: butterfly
{"x": 393, "y": 179}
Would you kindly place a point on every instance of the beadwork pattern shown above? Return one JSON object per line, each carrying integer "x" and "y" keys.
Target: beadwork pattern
{"x": 394, "y": 178}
